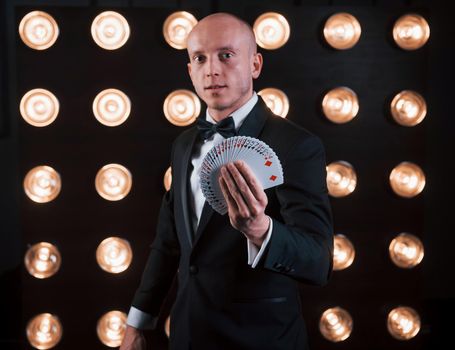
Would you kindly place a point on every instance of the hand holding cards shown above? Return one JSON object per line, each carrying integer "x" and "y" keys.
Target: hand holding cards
{"x": 255, "y": 153}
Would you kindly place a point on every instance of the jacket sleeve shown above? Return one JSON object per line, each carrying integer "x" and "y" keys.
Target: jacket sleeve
{"x": 162, "y": 262}
{"x": 301, "y": 245}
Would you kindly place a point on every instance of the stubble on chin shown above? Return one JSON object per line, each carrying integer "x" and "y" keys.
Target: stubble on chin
{"x": 216, "y": 105}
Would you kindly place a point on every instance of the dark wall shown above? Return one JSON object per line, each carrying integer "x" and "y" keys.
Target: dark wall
{"x": 147, "y": 69}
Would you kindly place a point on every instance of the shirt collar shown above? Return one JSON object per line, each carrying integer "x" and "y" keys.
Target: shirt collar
{"x": 240, "y": 114}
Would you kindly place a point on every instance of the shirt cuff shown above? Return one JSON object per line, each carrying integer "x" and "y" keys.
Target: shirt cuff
{"x": 254, "y": 254}
{"x": 140, "y": 320}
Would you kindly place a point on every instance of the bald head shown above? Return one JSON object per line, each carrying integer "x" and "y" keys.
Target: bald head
{"x": 220, "y": 21}
{"x": 223, "y": 62}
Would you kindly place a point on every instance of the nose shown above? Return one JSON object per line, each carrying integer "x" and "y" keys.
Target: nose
{"x": 212, "y": 67}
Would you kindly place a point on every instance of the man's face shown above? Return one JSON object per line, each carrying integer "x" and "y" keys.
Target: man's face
{"x": 222, "y": 64}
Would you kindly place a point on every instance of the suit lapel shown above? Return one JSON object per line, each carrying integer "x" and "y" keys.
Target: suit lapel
{"x": 251, "y": 126}
{"x": 184, "y": 184}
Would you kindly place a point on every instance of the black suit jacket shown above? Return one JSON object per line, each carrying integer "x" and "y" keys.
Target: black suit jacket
{"x": 221, "y": 302}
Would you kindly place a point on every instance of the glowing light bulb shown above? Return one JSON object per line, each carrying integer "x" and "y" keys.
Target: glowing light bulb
{"x": 407, "y": 179}
{"x": 42, "y": 184}
{"x": 111, "y": 107}
{"x": 406, "y": 250}
{"x": 110, "y": 30}
{"x": 341, "y": 179}
{"x": 276, "y": 100}
{"x": 403, "y": 323}
{"x": 342, "y": 31}
{"x": 272, "y": 30}
{"x": 408, "y": 108}
{"x": 168, "y": 179}
{"x": 340, "y": 105}
{"x": 38, "y": 30}
{"x": 335, "y": 324}
{"x": 343, "y": 254}
{"x": 181, "y": 107}
{"x": 176, "y": 28}
{"x": 114, "y": 255}
{"x": 39, "y": 107}
{"x": 111, "y": 328}
{"x": 42, "y": 260}
{"x": 44, "y": 331}
{"x": 411, "y": 31}
{"x": 113, "y": 182}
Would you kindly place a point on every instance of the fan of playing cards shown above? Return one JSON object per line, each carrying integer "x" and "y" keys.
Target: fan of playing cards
{"x": 258, "y": 155}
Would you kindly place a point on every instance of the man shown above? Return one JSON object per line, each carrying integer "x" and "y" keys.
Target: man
{"x": 238, "y": 273}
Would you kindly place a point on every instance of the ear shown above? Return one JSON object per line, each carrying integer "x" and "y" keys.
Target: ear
{"x": 257, "y": 65}
{"x": 189, "y": 70}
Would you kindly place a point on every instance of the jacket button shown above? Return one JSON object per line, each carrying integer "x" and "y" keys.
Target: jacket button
{"x": 193, "y": 269}
{"x": 278, "y": 266}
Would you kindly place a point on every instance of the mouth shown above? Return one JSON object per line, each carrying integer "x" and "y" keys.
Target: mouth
{"x": 215, "y": 88}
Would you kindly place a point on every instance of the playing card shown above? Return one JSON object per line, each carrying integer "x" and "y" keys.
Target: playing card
{"x": 261, "y": 159}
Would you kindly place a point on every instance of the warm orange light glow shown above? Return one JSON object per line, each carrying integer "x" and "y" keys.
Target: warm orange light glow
{"x": 271, "y": 30}
{"x": 114, "y": 254}
{"x": 341, "y": 179}
{"x": 340, "y": 105}
{"x": 168, "y": 179}
{"x": 411, "y": 31}
{"x": 42, "y": 260}
{"x": 182, "y": 107}
{"x": 406, "y": 250}
{"x": 408, "y": 108}
{"x": 39, "y": 107}
{"x": 42, "y": 184}
{"x": 407, "y": 179}
{"x": 276, "y": 100}
{"x": 44, "y": 331}
{"x": 111, "y": 107}
{"x": 342, "y": 31}
{"x": 176, "y": 28}
{"x": 336, "y": 324}
{"x": 111, "y": 328}
{"x": 113, "y": 182}
{"x": 167, "y": 326}
{"x": 110, "y": 30}
{"x": 403, "y": 323}
{"x": 343, "y": 252}
{"x": 38, "y": 30}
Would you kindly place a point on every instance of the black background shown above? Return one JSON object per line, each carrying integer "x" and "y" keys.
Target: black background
{"x": 147, "y": 69}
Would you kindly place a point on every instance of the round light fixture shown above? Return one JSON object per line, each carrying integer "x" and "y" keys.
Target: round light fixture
{"x": 44, "y": 331}
{"x": 407, "y": 179}
{"x": 111, "y": 107}
{"x": 38, "y": 30}
{"x": 181, "y": 107}
{"x": 114, "y": 254}
{"x": 411, "y": 31}
{"x": 113, "y": 182}
{"x": 340, "y": 105}
{"x": 110, "y": 30}
{"x": 42, "y": 184}
{"x": 176, "y": 28}
{"x": 342, "y": 31}
{"x": 272, "y": 30}
{"x": 39, "y": 107}
{"x": 276, "y": 100}
{"x": 341, "y": 179}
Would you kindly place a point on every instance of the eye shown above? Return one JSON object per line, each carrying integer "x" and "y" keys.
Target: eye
{"x": 199, "y": 58}
{"x": 226, "y": 55}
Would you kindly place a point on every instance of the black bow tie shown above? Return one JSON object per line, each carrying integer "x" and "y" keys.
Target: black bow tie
{"x": 225, "y": 128}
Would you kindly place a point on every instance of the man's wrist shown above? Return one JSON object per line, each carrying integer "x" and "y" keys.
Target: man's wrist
{"x": 264, "y": 228}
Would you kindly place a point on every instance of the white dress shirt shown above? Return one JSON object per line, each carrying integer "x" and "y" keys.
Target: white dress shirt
{"x": 142, "y": 320}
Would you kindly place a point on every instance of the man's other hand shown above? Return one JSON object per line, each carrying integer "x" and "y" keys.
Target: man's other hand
{"x": 133, "y": 340}
{"x": 246, "y": 201}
